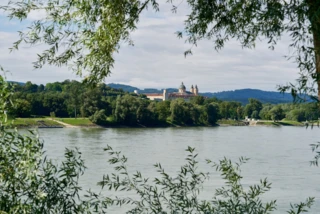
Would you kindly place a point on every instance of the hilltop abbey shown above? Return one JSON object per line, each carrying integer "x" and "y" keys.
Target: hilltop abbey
{"x": 182, "y": 93}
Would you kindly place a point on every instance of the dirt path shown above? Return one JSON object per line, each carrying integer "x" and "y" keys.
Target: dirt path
{"x": 62, "y": 123}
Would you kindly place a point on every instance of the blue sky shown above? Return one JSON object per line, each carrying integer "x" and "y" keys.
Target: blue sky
{"x": 157, "y": 61}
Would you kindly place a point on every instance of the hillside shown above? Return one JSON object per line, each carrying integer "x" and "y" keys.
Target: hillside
{"x": 19, "y": 83}
{"x": 242, "y": 95}
{"x": 129, "y": 88}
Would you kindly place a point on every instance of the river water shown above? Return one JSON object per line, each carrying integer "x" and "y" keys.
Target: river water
{"x": 282, "y": 154}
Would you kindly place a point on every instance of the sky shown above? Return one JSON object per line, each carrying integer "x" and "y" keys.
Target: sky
{"x": 157, "y": 58}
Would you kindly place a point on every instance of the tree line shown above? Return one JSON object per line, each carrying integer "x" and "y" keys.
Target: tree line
{"x": 104, "y": 105}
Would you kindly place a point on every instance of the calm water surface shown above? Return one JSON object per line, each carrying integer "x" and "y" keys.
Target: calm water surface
{"x": 281, "y": 154}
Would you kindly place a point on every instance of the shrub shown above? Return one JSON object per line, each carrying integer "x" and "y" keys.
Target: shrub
{"x": 179, "y": 194}
{"x": 99, "y": 117}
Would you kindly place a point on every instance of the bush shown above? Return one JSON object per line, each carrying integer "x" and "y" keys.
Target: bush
{"x": 99, "y": 117}
{"x": 179, "y": 194}
{"x": 30, "y": 183}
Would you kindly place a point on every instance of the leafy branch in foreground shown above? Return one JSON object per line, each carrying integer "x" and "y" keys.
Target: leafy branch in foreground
{"x": 315, "y": 149}
{"x": 180, "y": 193}
{"x": 81, "y": 34}
{"x": 30, "y": 183}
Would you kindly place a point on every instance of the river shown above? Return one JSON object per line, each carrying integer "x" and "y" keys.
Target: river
{"x": 282, "y": 154}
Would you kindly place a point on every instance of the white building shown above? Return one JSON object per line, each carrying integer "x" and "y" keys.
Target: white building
{"x": 182, "y": 93}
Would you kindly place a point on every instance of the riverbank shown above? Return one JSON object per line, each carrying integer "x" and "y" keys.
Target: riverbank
{"x": 86, "y": 123}
{"x": 279, "y": 123}
{"x": 47, "y": 122}
{"x": 261, "y": 123}
{"x": 33, "y": 122}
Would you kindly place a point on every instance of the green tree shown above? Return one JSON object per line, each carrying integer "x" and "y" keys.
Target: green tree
{"x": 253, "y": 105}
{"x": 126, "y": 110}
{"x": 22, "y": 108}
{"x": 145, "y": 115}
{"x": 265, "y": 112}
{"x": 92, "y": 101}
{"x": 163, "y": 110}
{"x": 254, "y": 114}
{"x": 198, "y": 100}
{"x": 55, "y": 102}
{"x": 40, "y": 88}
{"x": 229, "y": 109}
{"x": 277, "y": 113}
{"x": 312, "y": 111}
{"x": 29, "y": 87}
{"x": 99, "y": 117}
{"x": 195, "y": 114}
{"x": 56, "y": 86}
{"x": 212, "y": 111}
{"x": 296, "y": 114}
{"x": 179, "y": 111}
{"x": 240, "y": 112}
{"x": 74, "y": 90}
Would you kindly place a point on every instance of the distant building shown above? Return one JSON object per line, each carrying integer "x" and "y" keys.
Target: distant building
{"x": 182, "y": 93}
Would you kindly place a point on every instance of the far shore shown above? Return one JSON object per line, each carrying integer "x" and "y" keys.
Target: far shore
{"x": 86, "y": 123}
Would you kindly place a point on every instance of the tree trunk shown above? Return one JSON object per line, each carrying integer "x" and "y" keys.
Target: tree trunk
{"x": 313, "y": 15}
{"x": 316, "y": 40}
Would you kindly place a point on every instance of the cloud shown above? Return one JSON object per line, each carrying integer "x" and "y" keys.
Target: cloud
{"x": 19, "y": 63}
{"x": 157, "y": 60}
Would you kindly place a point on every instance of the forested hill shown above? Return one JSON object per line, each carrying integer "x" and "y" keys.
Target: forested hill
{"x": 241, "y": 95}
{"x": 129, "y": 88}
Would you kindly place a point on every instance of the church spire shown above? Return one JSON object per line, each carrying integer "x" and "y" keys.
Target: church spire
{"x": 196, "y": 90}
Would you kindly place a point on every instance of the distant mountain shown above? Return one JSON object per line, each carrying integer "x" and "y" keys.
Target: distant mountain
{"x": 18, "y": 83}
{"x": 241, "y": 95}
{"x": 127, "y": 88}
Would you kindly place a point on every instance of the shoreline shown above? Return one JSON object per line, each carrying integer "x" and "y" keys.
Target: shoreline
{"x": 150, "y": 127}
{"x": 86, "y": 123}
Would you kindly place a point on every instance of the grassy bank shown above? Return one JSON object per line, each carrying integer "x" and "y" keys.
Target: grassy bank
{"x": 31, "y": 122}
{"x": 76, "y": 121}
{"x": 225, "y": 122}
{"x": 280, "y": 123}
{"x": 85, "y": 122}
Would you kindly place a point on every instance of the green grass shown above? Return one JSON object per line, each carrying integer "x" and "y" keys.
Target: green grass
{"x": 229, "y": 122}
{"x": 31, "y": 122}
{"x": 291, "y": 123}
{"x": 268, "y": 123}
{"x": 76, "y": 121}
{"x": 280, "y": 123}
